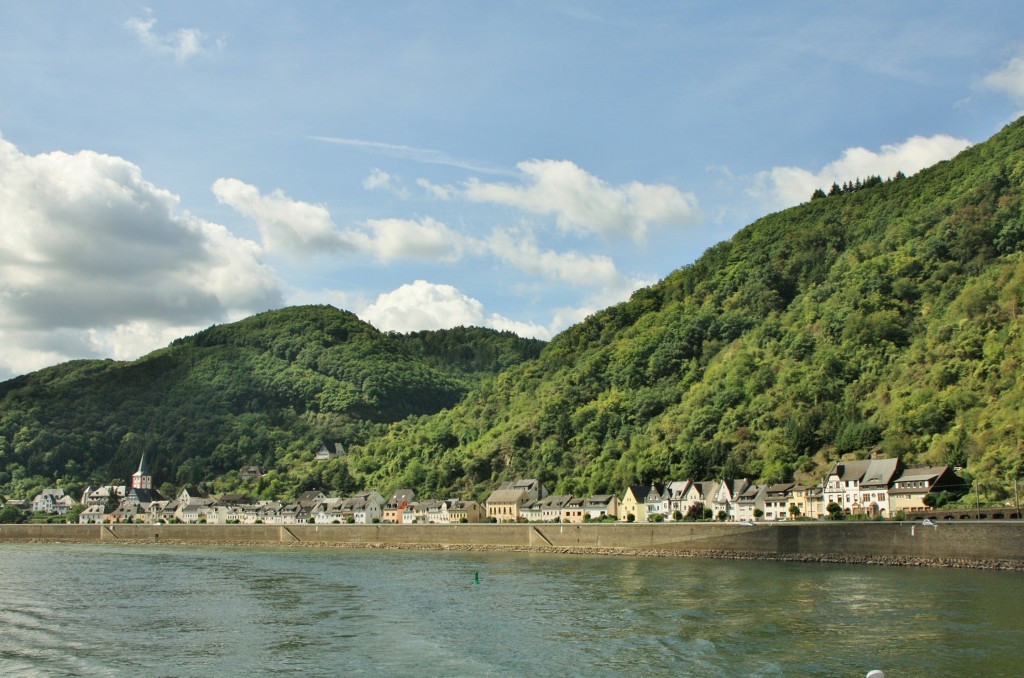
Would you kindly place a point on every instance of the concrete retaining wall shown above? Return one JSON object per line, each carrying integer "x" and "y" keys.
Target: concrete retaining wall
{"x": 836, "y": 541}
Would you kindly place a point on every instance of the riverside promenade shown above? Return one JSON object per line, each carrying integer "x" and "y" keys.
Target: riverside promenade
{"x": 989, "y": 545}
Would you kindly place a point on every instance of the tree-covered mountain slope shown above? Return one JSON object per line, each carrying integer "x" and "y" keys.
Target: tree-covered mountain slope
{"x": 886, "y": 319}
{"x": 267, "y": 390}
{"x": 882, "y": 319}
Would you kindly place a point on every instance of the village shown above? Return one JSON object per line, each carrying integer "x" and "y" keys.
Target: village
{"x": 872, "y": 488}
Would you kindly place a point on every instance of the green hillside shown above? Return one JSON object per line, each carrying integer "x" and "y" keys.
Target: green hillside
{"x": 883, "y": 318}
{"x": 267, "y": 390}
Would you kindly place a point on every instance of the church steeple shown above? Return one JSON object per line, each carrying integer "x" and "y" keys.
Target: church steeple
{"x": 141, "y": 480}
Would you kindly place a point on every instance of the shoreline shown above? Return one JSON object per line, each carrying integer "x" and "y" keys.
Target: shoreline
{"x": 992, "y": 564}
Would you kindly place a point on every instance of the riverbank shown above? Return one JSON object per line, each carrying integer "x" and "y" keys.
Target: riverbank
{"x": 959, "y": 545}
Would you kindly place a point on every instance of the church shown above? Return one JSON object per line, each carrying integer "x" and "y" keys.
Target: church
{"x": 141, "y": 491}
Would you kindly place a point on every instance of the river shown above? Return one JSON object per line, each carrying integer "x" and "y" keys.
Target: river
{"x": 141, "y": 611}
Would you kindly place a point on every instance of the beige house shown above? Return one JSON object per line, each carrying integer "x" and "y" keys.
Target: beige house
{"x": 908, "y": 490}
{"x": 632, "y": 503}
{"x": 465, "y": 511}
{"x": 504, "y": 505}
{"x": 808, "y": 500}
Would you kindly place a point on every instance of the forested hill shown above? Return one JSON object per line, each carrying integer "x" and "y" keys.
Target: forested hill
{"x": 885, "y": 319}
{"x": 268, "y": 390}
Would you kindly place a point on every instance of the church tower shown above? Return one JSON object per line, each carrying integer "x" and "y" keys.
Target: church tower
{"x": 141, "y": 480}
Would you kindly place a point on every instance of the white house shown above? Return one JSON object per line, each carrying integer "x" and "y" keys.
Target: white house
{"x": 52, "y": 500}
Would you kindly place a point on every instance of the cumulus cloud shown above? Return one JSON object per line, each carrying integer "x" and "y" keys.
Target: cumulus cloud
{"x": 96, "y": 260}
{"x": 300, "y": 229}
{"x": 1009, "y": 79}
{"x": 571, "y": 267}
{"x": 428, "y": 306}
{"x": 782, "y": 187}
{"x": 390, "y": 239}
{"x": 291, "y": 226}
{"x": 580, "y": 202}
{"x": 183, "y": 43}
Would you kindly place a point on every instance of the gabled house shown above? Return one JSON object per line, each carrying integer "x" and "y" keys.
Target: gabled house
{"x": 465, "y": 512}
{"x": 776, "y": 501}
{"x": 573, "y": 511}
{"x": 750, "y": 504}
{"x": 91, "y": 515}
{"x": 392, "y": 511}
{"x": 546, "y": 510}
{"x": 909, "y": 488}
{"x": 99, "y": 495}
{"x": 52, "y": 500}
{"x": 601, "y": 505}
{"x": 329, "y": 451}
{"x": 250, "y": 473}
{"x": 808, "y": 500}
{"x": 310, "y": 498}
{"x": 503, "y": 505}
{"x": 364, "y": 508}
{"x": 725, "y": 497}
{"x": 654, "y": 500}
{"x": 701, "y": 495}
{"x": 634, "y": 503}
{"x": 533, "y": 487}
{"x": 676, "y": 493}
{"x": 861, "y": 486}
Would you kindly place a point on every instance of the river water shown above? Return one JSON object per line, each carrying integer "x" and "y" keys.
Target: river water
{"x": 97, "y": 610}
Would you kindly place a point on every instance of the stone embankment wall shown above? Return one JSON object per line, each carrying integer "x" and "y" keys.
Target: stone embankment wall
{"x": 954, "y": 544}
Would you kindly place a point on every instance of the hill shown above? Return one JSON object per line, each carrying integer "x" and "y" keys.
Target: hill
{"x": 267, "y": 390}
{"x": 880, "y": 320}
{"x": 885, "y": 318}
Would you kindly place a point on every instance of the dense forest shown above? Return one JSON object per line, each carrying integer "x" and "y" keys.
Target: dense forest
{"x": 884, "y": 317}
{"x": 266, "y": 391}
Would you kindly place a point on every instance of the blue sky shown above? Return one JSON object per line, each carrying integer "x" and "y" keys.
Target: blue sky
{"x": 516, "y": 165}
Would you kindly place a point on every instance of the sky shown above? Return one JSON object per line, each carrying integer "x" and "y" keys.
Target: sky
{"x": 515, "y": 165}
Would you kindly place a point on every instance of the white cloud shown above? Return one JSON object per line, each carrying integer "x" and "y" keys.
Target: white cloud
{"x": 405, "y": 238}
{"x": 438, "y": 191}
{"x": 427, "y": 306}
{"x": 183, "y": 43}
{"x": 783, "y": 187}
{"x": 379, "y": 180}
{"x": 290, "y": 226}
{"x": 95, "y": 260}
{"x": 580, "y": 202}
{"x": 570, "y": 267}
{"x": 1008, "y": 79}
{"x": 300, "y": 229}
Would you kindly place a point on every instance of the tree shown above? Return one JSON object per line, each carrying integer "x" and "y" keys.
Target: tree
{"x": 930, "y": 500}
{"x": 794, "y": 511}
{"x": 113, "y": 501}
{"x": 9, "y": 514}
{"x": 74, "y": 512}
{"x": 835, "y": 511}
{"x": 758, "y": 513}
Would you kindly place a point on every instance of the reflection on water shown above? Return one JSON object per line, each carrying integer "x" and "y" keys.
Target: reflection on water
{"x": 98, "y": 610}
